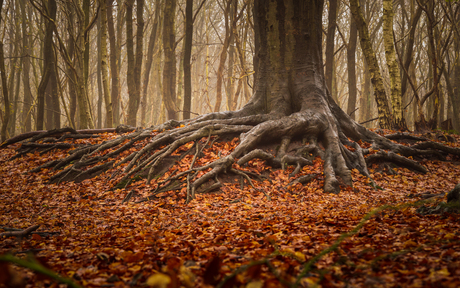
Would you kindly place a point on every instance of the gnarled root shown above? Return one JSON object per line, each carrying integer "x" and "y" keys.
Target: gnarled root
{"x": 301, "y": 137}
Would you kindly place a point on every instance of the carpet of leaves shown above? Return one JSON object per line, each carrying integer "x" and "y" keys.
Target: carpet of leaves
{"x": 102, "y": 242}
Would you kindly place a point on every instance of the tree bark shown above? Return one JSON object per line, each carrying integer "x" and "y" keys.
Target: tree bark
{"x": 330, "y": 38}
{"x": 351, "y": 65}
{"x": 223, "y": 57}
{"x": 399, "y": 121}
{"x": 114, "y": 65}
{"x": 148, "y": 64}
{"x": 104, "y": 66}
{"x": 169, "y": 68}
{"x": 385, "y": 118}
{"x": 26, "y": 51}
{"x": 3, "y": 76}
{"x": 187, "y": 59}
{"x": 47, "y": 64}
{"x": 134, "y": 58}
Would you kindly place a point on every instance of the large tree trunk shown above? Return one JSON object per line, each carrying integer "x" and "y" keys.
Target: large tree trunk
{"x": 290, "y": 104}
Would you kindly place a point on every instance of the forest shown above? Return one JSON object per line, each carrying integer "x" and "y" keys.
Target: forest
{"x": 229, "y": 143}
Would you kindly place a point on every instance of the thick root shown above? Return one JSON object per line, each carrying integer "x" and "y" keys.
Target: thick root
{"x": 301, "y": 137}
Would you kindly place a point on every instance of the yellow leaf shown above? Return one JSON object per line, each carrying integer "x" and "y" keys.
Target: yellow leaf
{"x": 310, "y": 282}
{"x": 158, "y": 280}
{"x": 449, "y": 236}
{"x": 255, "y": 284}
{"x": 187, "y": 277}
{"x": 299, "y": 255}
{"x": 135, "y": 268}
{"x": 409, "y": 244}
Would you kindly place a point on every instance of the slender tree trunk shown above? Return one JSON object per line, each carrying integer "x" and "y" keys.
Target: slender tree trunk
{"x": 231, "y": 52}
{"x": 187, "y": 59}
{"x": 104, "y": 66}
{"x": 134, "y": 106}
{"x": 134, "y": 59}
{"x": 114, "y": 64}
{"x": 148, "y": 64}
{"x": 26, "y": 51}
{"x": 169, "y": 68}
{"x": 71, "y": 83}
{"x": 47, "y": 64}
{"x": 399, "y": 121}
{"x": 223, "y": 58}
{"x": 433, "y": 59}
{"x": 6, "y": 100}
{"x": 385, "y": 119}
{"x": 351, "y": 62}
{"x": 86, "y": 9}
{"x": 455, "y": 96}
{"x": 53, "y": 107}
{"x": 99, "y": 75}
{"x": 330, "y": 38}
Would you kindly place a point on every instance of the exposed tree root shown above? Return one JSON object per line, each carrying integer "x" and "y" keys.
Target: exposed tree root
{"x": 338, "y": 143}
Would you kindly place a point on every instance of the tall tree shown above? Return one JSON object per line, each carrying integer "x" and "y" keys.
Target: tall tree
{"x": 134, "y": 58}
{"x": 114, "y": 64}
{"x": 26, "y": 52}
{"x": 148, "y": 64}
{"x": 351, "y": 65}
{"x": 187, "y": 59}
{"x": 385, "y": 118}
{"x": 169, "y": 67}
{"x": 3, "y": 76}
{"x": 104, "y": 65}
{"x": 330, "y": 39}
{"x": 48, "y": 63}
{"x": 290, "y": 103}
{"x": 399, "y": 122}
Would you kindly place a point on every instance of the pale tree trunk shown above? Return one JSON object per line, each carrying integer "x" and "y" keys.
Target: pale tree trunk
{"x": 330, "y": 38}
{"x": 399, "y": 121}
{"x": 105, "y": 66}
{"x": 384, "y": 114}
{"x": 169, "y": 67}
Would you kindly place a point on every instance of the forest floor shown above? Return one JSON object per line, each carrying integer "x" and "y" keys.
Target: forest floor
{"x": 87, "y": 234}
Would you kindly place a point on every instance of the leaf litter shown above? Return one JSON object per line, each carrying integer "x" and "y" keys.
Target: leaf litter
{"x": 263, "y": 234}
